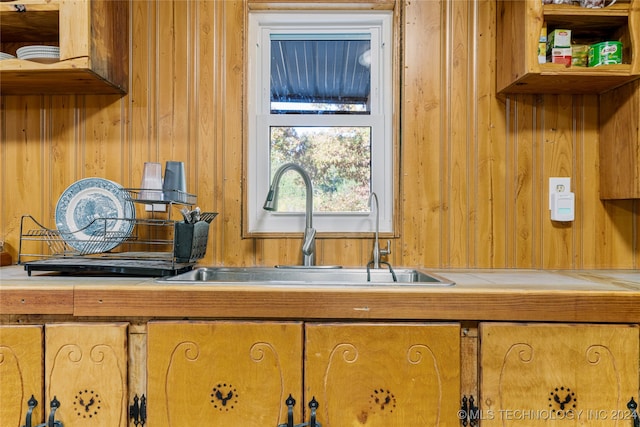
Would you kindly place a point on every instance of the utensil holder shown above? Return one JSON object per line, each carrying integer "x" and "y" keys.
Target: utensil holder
{"x": 190, "y": 241}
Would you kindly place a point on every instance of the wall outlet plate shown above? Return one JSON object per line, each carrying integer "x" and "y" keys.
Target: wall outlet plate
{"x": 558, "y": 185}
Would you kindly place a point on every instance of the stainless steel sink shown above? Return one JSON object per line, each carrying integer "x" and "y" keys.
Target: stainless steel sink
{"x": 307, "y": 275}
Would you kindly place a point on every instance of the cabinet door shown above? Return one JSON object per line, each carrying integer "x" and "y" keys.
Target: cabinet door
{"x": 86, "y": 371}
{"x": 537, "y": 374}
{"x": 384, "y": 374}
{"x": 222, "y": 373}
{"x": 20, "y": 373}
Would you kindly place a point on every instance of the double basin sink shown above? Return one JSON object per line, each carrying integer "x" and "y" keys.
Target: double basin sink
{"x": 335, "y": 276}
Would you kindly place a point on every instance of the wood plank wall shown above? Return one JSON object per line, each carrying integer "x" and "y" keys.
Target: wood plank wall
{"x": 473, "y": 166}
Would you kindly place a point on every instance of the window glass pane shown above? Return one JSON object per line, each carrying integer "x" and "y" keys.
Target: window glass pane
{"x": 338, "y": 160}
{"x": 316, "y": 75}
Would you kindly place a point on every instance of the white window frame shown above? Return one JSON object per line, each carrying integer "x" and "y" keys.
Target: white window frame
{"x": 261, "y": 25}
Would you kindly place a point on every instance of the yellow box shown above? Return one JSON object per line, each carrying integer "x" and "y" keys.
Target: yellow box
{"x": 579, "y": 55}
{"x": 543, "y": 34}
{"x": 542, "y": 52}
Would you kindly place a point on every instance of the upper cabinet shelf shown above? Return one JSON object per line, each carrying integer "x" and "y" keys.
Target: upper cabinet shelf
{"x": 93, "y": 36}
{"x": 519, "y": 23}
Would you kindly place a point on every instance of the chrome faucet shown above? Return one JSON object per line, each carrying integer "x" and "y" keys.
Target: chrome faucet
{"x": 377, "y": 252}
{"x": 271, "y": 204}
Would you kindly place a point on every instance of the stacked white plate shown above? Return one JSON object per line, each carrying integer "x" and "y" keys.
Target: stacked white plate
{"x": 39, "y": 53}
{"x": 6, "y": 56}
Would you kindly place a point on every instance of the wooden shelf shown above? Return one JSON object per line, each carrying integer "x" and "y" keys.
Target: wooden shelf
{"x": 19, "y": 26}
{"x": 93, "y": 40}
{"x": 556, "y": 78}
{"x": 577, "y": 15}
{"x": 519, "y": 25}
{"x": 20, "y": 77}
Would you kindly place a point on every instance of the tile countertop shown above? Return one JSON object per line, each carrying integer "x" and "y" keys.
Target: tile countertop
{"x": 501, "y": 295}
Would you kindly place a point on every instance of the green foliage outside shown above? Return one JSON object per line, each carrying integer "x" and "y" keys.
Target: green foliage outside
{"x": 338, "y": 160}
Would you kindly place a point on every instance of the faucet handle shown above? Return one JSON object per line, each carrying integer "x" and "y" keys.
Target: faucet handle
{"x": 387, "y": 250}
{"x": 308, "y": 244}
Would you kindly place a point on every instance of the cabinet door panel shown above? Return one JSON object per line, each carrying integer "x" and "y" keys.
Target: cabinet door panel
{"x": 20, "y": 373}
{"x": 544, "y": 374}
{"x": 86, "y": 370}
{"x": 384, "y": 374}
{"x": 222, "y": 373}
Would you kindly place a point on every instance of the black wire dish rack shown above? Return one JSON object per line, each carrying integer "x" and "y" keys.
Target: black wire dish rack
{"x": 151, "y": 244}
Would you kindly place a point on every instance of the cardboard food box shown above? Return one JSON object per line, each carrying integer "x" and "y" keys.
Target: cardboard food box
{"x": 542, "y": 45}
{"x": 605, "y": 53}
{"x": 543, "y": 33}
{"x": 560, "y": 55}
{"x": 559, "y": 38}
{"x": 542, "y": 53}
{"x": 579, "y": 55}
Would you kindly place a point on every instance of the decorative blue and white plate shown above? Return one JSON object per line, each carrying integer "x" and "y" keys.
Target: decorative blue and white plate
{"x": 93, "y": 215}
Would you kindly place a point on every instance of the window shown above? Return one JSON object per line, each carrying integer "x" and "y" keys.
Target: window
{"x": 320, "y": 96}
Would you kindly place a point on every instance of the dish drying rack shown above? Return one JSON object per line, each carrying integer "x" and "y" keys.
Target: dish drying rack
{"x": 154, "y": 247}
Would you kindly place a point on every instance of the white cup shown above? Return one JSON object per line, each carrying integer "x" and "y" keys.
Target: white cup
{"x": 151, "y": 186}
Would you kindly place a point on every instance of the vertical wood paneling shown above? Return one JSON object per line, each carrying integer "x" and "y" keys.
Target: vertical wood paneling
{"x": 618, "y": 234}
{"x": 589, "y": 208}
{"x": 474, "y": 165}
{"x": 235, "y": 251}
{"x": 173, "y": 89}
{"x": 636, "y": 236}
{"x": 522, "y": 186}
{"x": 488, "y": 241}
{"x": 421, "y": 108}
{"x": 142, "y": 83}
{"x": 557, "y": 161}
{"x": 207, "y": 147}
{"x": 61, "y": 149}
{"x": 23, "y": 168}
{"x": 459, "y": 130}
{"x": 104, "y": 148}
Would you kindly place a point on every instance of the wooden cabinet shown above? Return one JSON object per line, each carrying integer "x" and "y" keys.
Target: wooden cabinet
{"x": 518, "y": 27}
{"x": 534, "y": 374}
{"x": 93, "y": 36}
{"x": 222, "y": 373}
{"x": 21, "y": 371}
{"x": 84, "y": 367}
{"x": 377, "y": 375}
{"x": 620, "y": 143}
{"x": 240, "y": 373}
{"x": 389, "y": 374}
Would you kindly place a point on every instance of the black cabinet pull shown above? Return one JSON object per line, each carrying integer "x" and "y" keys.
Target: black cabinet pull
{"x": 51, "y": 422}
{"x": 32, "y": 402}
{"x": 632, "y": 405}
{"x": 313, "y": 405}
{"x": 138, "y": 411}
{"x": 468, "y": 413}
{"x": 291, "y": 402}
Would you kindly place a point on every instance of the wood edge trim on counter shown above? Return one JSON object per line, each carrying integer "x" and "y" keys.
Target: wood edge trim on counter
{"x": 443, "y": 304}
{"x": 31, "y": 300}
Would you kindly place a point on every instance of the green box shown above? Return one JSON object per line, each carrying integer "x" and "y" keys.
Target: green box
{"x": 605, "y": 53}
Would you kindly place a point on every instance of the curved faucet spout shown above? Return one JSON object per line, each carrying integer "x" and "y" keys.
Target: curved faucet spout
{"x": 377, "y": 253}
{"x": 271, "y": 204}
{"x": 376, "y": 242}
